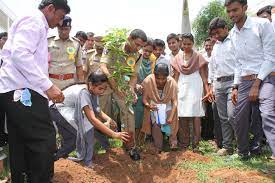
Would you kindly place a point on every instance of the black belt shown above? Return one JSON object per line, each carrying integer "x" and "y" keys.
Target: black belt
{"x": 225, "y": 78}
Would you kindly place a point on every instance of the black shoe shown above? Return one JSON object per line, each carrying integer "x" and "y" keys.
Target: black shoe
{"x": 256, "y": 152}
{"x": 134, "y": 154}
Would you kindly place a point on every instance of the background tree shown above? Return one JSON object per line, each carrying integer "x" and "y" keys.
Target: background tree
{"x": 200, "y": 25}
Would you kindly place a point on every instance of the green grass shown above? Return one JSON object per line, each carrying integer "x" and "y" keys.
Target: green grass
{"x": 259, "y": 163}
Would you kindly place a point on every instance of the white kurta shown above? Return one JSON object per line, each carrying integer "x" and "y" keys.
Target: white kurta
{"x": 190, "y": 95}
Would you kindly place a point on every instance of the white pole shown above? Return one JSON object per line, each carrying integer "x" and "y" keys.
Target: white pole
{"x": 185, "y": 26}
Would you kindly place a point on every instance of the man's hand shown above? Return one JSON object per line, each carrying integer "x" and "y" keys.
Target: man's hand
{"x": 55, "y": 94}
{"x": 234, "y": 96}
{"x": 254, "y": 91}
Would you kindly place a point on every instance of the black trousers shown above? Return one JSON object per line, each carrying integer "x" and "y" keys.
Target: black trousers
{"x": 207, "y": 125}
{"x": 3, "y": 135}
{"x": 67, "y": 132}
{"x": 31, "y": 138}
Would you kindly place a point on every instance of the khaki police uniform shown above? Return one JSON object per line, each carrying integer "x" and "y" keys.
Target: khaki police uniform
{"x": 64, "y": 57}
{"x": 92, "y": 65}
{"x": 126, "y": 115}
{"x": 89, "y": 65}
{"x": 84, "y": 56}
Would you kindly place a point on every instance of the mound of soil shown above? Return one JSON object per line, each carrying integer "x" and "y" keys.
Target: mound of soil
{"x": 116, "y": 166}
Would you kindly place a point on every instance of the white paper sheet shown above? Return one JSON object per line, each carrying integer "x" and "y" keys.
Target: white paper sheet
{"x": 160, "y": 114}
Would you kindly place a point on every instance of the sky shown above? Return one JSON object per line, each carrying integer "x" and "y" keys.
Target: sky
{"x": 157, "y": 18}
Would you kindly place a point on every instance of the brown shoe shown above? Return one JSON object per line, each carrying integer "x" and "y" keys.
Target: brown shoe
{"x": 225, "y": 152}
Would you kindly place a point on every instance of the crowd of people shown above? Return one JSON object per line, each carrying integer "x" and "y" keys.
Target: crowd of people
{"x": 63, "y": 85}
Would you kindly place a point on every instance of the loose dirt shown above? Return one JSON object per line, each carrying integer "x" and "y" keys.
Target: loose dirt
{"x": 116, "y": 166}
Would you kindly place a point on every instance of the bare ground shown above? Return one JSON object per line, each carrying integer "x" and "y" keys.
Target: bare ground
{"x": 116, "y": 166}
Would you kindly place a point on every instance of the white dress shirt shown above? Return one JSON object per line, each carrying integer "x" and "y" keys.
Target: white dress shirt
{"x": 25, "y": 55}
{"x": 222, "y": 62}
{"x": 254, "y": 46}
{"x": 206, "y": 57}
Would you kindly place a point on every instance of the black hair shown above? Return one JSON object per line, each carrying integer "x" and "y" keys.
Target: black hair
{"x": 3, "y": 34}
{"x": 149, "y": 42}
{"x": 172, "y": 36}
{"x": 217, "y": 23}
{"x": 161, "y": 69}
{"x": 138, "y": 33}
{"x": 90, "y": 34}
{"x": 188, "y": 36}
{"x": 97, "y": 78}
{"x": 58, "y": 4}
{"x": 81, "y": 34}
{"x": 207, "y": 40}
{"x": 266, "y": 9}
{"x": 228, "y": 2}
{"x": 159, "y": 43}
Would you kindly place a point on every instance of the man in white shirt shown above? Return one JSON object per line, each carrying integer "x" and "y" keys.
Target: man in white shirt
{"x": 265, "y": 12}
{"x": 208, "y": 47}
{"x": 159, "y": 48}
{"x": 267, "y": 95}
{"x": 211, "y": 127}
{"x": 254, "y": 42}
{"x": 174, "y": 45}
{"x": 221, "y": 76}
{"x": 25, "y": 88}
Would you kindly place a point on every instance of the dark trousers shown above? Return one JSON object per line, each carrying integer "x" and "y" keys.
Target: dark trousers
{"x": 3, "y": 135}
{"x": 217, "y": 126}
{"x": 207, "y": 124}
{"x": 67, "y": 132}
{"x": 31, "y": 138}
{"x": 267, "y": 107}
{"x": 247, "y": 120}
